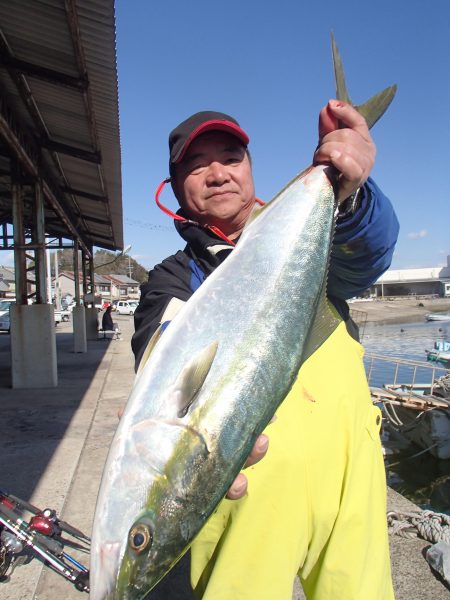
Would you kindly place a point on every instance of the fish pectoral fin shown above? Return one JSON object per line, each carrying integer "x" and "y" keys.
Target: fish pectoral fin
{"x": 192, "y": 377}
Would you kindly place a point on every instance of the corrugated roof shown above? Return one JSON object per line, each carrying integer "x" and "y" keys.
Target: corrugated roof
{"x": 58, "y": 75}
{"x": 123, "y": 279}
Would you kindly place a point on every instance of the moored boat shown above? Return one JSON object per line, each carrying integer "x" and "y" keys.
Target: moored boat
{"x": 416, "y": 402}
{"x": 437, "y": 317}
{"x": 440, "y": 353}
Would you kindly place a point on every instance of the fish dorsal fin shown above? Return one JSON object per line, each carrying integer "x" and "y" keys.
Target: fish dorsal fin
{"x": 373, "y": 109}
{"x": 149, "y": 349}
{"x": 191, "y": 379}
{"x": 325, "y": 322}
{"x": 256, "y": 212}
{"x": 172, "y": 309}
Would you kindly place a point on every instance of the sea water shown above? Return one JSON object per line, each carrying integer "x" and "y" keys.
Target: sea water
{"x": 423, "y": 479}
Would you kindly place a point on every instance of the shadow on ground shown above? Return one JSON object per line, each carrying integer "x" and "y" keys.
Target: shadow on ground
{"x": 33, "y": 422}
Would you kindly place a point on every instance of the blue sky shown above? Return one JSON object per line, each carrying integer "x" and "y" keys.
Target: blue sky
{"x": 269, "y": 65}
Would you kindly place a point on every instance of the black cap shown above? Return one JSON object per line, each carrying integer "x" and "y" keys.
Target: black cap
{"x": 183, "y": 135}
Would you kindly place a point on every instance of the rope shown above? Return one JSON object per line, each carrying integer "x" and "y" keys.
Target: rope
{"x": 444, "y": 383}
{"x": 398, "y": 462}
{"x": 431, "y": 526}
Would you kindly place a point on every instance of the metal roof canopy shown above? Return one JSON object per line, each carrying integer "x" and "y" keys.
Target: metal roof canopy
{"x": 59, "y": 116}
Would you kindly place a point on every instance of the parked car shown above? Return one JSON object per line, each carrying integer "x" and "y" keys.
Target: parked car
{"x": 114, "y": 304}
{"x": 5, "y": 322}
{"x": 126, "y": 307}
{"x": 68, "y": 307}
{"x": 65, "y": 315}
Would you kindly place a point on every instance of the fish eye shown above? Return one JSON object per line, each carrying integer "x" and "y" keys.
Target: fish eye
{"x": 140, "y": 537}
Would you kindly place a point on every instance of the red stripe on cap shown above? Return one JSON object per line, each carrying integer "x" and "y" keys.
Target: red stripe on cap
{"x": 214, "y": 125}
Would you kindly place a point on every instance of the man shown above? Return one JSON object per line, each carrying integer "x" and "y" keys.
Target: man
{"x": 316, "y": 504}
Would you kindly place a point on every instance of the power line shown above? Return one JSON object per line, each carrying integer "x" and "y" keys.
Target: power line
{"x": 146, "y": 225}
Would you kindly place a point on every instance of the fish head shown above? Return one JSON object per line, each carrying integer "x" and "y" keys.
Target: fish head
{"x": 152, "y": 549}
{"x": 129, "y": 566}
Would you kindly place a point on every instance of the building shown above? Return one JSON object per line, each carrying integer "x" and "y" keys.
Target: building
{"x": 7, "y": 283}
{"x": 123, "y": 287}
{"x": 109, "y": 287}
{"x": 431, "y": 281}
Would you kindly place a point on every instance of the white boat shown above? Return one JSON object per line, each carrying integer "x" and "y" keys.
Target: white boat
{"x": 419, "y": 410}
{"x": 440, "y": 353}
{"x": 437, "y": 317}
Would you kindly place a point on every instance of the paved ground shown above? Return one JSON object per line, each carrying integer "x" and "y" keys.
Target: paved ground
{"x": 53, "y": 444}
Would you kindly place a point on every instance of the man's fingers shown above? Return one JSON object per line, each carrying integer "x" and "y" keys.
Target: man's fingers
{"x": 347, "y": 116}
{"x": 238, "y": 488}
{"x": 258, "y": 451}
{"x": 327, "y": 122}
{"x": 120, "y": 412}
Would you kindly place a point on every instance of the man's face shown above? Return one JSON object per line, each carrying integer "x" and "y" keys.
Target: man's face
{"x": 214, "y": 182}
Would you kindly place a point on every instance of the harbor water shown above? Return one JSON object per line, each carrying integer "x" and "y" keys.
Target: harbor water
{"x": 423, "y": 479}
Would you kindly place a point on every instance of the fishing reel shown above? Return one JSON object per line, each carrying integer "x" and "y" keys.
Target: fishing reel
{"x": 42, "y": 536}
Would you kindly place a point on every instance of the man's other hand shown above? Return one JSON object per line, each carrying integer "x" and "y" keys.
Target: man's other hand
{"x": 345, "y": 143}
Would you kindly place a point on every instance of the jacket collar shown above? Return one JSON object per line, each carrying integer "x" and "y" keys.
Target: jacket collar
{"x": 204, "y": 246}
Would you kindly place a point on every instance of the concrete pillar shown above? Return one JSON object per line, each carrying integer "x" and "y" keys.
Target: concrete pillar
{"x": 91, "y": 322}
{"x": 79, "y": 329}
{"x": 33, "y": 346}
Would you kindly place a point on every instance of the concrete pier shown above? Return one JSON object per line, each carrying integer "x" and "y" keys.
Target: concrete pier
{"x": 79, "y": 329}
{"x": 53, "y": 445}
{"x": 33, "y": 346}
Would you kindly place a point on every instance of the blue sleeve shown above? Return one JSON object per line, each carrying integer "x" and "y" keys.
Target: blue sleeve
{"x": 363, "y": 244}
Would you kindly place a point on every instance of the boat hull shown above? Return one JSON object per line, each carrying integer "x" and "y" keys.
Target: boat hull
{"x": 437, "y": 317}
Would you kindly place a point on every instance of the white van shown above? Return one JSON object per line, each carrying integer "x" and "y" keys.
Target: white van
{"x": 126, "y": 307}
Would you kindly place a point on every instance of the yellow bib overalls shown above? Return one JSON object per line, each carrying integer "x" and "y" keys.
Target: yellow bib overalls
{"x": 316, "y": 504}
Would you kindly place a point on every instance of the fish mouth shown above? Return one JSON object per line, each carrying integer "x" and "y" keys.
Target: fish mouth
{"x": 104, "y": 570}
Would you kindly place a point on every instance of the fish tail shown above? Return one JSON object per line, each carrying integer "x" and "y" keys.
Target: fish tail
{"x": 375, "y": 107}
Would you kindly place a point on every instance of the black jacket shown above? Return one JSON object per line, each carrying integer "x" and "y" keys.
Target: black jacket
{"x": 179, "y": 275}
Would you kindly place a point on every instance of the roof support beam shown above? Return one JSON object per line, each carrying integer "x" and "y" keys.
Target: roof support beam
{"x": 81, "y": 194}
{"x": 40, "y": 72}
{"x": 28, "y": 156}
{"x": 96, "y": 220}
{"x": 93, "y": 157}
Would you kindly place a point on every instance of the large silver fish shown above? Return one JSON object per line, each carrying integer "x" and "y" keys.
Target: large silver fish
{"x": 212, "y": 383}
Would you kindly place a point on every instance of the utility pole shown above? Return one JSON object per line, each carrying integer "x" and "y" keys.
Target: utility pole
{"x": 57, "y": 293}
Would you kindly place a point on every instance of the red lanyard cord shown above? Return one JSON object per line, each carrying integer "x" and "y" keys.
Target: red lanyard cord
{"x": 170, "y": 213}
